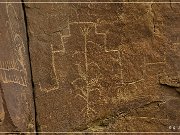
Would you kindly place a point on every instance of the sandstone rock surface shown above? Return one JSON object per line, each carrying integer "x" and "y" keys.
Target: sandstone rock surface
{"x": 16, "y": 101}
{"x": 100, "y": 67}
{"x": 95, "y": 67}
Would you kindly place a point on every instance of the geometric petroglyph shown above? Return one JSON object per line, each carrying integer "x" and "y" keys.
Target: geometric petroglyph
{"x": 88, "y": 62}
{"x": 104, "y": 60}
{"x": 87, "y": 80}
{"x": 14, "y": 70}
{"x": 77, "y": 46}
{"x": 56, "y": 85}
{"x": 90, "y": 84}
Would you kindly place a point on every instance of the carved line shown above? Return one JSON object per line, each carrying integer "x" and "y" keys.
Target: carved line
{"x": 9, "y": 65}
{"x": 13, "y": 79}
{"x": 12, "y": 65}
{"x": 56, "y": 87}
{"x": 85, "y": 95}
{"x": 20, "y": 49}
{"x": 8, "y": 5}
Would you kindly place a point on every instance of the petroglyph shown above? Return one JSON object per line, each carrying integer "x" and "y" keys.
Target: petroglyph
{"x": 86, "y": 30}
{"x": 164, "y": 61}
{"x": 14, "y": 70}
{"x": 56, "y": 86}
{"x": 87, "y": 88}
{"x": 101, "y": 59}
{"x": 15, "y": 73}
{"x": 53, "y": 53}
{"x": 130, "y": 89}
{"x": 13, "y": 77}
{"x": 9, "y": 65}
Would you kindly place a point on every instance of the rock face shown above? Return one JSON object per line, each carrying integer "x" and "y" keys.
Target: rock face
{"x": 104, "y": 67}
{"x": 16, "y": 101}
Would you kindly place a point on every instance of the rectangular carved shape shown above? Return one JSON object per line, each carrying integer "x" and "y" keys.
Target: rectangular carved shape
{"x": 95, "y": 64}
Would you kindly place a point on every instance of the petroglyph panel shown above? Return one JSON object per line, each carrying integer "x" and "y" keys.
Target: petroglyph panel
{"x": 16, "y": 87}
{"x": 101, "y": 62}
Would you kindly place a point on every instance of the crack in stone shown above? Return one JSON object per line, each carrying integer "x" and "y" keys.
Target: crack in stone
{"x": 28, "y": 51}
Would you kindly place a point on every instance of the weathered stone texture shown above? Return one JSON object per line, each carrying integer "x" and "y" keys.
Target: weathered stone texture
{"x": 105, "y": 67}
{"x": 16, "y": 102}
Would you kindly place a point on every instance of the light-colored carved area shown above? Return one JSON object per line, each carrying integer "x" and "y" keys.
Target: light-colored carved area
{"x": 91, "y": 84}
{"x": 84, "y": 83}
{"x": 102, "y": 66}
{"x": 13, "y": 70}
{"x": 16, "y": 88}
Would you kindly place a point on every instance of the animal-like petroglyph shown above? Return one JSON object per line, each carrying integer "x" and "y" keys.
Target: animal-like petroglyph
{"x": 14, "y": 70}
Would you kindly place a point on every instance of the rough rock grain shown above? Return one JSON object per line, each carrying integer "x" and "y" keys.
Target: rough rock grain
{"x": 16, "y": 101}
{"x": 100, "y": 67}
